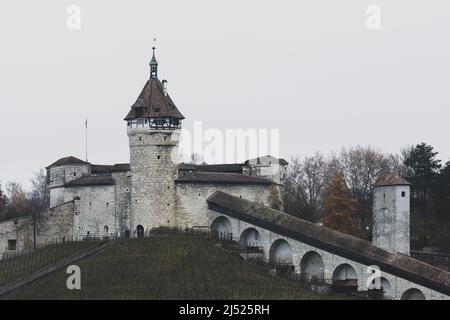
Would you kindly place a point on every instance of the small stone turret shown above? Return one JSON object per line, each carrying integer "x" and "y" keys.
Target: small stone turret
{"x": 61, "y": 172}
{"x": 267, "y": 167}
{"x": 391, "y": 215}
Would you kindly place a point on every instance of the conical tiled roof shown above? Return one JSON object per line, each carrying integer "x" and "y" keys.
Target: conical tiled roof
{"x": 153, "y": 103}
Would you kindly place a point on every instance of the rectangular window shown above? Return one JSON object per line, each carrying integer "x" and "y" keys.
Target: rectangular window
{"x": 403, "y": 194}
{"x": 12, "y": 244}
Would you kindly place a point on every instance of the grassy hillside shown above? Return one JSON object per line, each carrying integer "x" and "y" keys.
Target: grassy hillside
{"x": 23, "y": 265}
{"x": 166, "y": 267}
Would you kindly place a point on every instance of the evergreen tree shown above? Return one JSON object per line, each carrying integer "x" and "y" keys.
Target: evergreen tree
{"x": 442, "y": 194}
{"x": 339, "y": 207}
{"x": 422, "y": 170}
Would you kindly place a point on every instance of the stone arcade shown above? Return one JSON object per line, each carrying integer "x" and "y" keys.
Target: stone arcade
{"x": 239, "y": 201}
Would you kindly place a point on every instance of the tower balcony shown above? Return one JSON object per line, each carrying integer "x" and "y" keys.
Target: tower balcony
{"x": 161, "y": 123}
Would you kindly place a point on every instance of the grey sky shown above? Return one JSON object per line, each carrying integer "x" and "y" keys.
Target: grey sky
{"x": 310, "y": 68}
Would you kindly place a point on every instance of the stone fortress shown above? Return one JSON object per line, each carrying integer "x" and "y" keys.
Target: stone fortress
{"x": 239, "y": 201}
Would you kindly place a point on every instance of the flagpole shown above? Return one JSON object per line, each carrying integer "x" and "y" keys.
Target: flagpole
{"x": 86, "y": 125}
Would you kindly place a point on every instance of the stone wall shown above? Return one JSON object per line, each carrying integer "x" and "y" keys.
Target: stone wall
{"x": 95, "y": 211}
{"x": 13, "y": 230}
{"x": 153, "y": 167}
{"x": 61, "y": 175}
{"x": 57, "y": 224}
{"x": 191, "y": 205}
{"x": 391, "y": 219}
{"x": 123, "y": 200}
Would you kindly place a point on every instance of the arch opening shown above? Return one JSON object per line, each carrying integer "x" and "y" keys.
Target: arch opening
{"x": 312, "y": 267}
{"x": 105, "y": 231}
{"x": 140, "y": 231}
{"x": 221, "y": 228}
{"x": 344, "y": 279}
{"x": 413, "y": 294}
{"x": 281, "y": 253}
{"x": 381, "y": 290}
{"x": 250, "y": 240}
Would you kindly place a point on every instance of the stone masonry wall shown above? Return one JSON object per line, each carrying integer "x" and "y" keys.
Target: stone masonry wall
{"x": 153, "y": 165}
{"x": 123, "y": 200}
{"x": 57, "y": 224}
{"x": 191, "y": 205}
{"x": 391, "y": 218}
{"x": 96, "y": 210}
{"x": 59, "y": 176}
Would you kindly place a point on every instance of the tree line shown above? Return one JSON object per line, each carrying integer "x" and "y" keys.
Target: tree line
{"x": 16, "y": 202}
{"x": 336, "y": 190}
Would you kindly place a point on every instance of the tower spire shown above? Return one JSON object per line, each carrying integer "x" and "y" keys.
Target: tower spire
{"x": 153, "y": 65}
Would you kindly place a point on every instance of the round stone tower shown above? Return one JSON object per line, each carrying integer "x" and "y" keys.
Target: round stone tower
{"x": 154, "y": 125}
{"x": 391, "y": 215}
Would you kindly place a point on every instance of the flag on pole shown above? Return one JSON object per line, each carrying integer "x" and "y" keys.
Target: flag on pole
{"x": 86, "y": 123}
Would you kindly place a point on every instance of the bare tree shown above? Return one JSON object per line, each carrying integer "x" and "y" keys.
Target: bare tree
{"x": 39, "y": 195}
{"x": 362, "y": 168}
{"x": 18, "y": 204}
{"x": 3, "y": 202}
{"x": 39, "y": 199}
{"x": 306, "y": 181}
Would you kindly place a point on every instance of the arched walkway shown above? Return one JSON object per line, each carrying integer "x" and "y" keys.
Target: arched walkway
{"x": 386, "y": 289}
{"x": 250, "y": 238}
{"x": 345, "y": 279}
{"x": 140, "y": 231}
{"x": 413, "y": 294}
{"x": 312, "y": 267}
{"x": 281, "y": 252}
{"x": 221, "y": 228}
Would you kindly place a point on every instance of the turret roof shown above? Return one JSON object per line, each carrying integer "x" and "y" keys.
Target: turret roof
{"x": 153, "y": 102}
{"x": 68, "y": 161}
{"x": 392, "y": 180}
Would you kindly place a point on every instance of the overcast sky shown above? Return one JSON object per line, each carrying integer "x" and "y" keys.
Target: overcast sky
{"x": 309, "y": 68}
